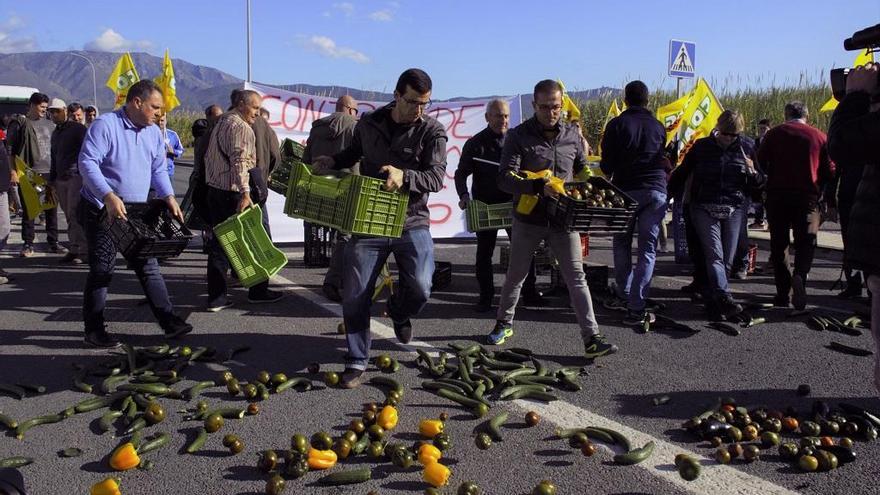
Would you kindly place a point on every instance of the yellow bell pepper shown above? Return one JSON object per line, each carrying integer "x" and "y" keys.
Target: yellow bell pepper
{"x": 321, "y": 459}
{"x": 436, "y": 474}
{"x": 387, "y": 418}
{"x": 125, "y": 458}
{"x": 109, "y": 486}
{"x": 428, "y": 454}
{"x": 429, "y": 428}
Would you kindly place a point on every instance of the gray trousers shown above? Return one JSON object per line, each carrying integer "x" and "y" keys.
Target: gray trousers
{"x": 566, "y": 247}
{"x": 68, "y": 192}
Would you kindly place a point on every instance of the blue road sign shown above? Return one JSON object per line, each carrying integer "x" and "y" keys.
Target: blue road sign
{"x": 682, "y": 58}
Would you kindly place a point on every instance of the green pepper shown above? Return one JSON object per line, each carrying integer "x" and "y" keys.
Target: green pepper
{"x": 442, "y": 442}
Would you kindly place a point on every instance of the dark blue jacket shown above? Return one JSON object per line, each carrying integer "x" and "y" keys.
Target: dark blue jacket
{"x": 720, "y": 175}
{"x": 633, "y": 151}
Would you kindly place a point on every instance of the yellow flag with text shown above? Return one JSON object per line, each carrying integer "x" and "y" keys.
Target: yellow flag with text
{"x": 699, "y": 117}
{"x": 862, "y": 59}
{"x": 124, "y": 75}
{"x": 569, "y": 107}
{"x": 168, "y": 84}
{"x": 670, "y": 116}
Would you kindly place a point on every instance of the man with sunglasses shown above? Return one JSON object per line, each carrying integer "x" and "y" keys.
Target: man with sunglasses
{"x": 544, "y": 142}
{"x": 795, "y": 158}
{"x": 402, "y": 145}
{"x": 330, "y": 135}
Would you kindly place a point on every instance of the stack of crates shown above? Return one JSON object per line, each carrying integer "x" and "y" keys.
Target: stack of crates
{"x": 318, "y": 245}
{"x": 349, "y": 203}
{"x": 249, "y": 249}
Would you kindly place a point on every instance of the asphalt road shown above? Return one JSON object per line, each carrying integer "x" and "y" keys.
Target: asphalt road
{"x": 40, "y": 331}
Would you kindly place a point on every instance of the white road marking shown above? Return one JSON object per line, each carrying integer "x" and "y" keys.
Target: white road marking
{"x": 715, "y": 479}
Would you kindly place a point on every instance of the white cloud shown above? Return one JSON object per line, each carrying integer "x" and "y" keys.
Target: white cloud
{"x": 346, "y": 8}
{"x": 111, "y": 41}
{"x": 11, "y": 44}
{"x": 383, "y": 15}
{"x": 328, "y": 48}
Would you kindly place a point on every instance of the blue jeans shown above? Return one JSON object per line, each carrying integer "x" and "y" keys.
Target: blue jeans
{"x": 102, "y": 263}
{"x": 364, "y": 258}
{"x": 651, "y": 211}
{"x": 719, "y": 239}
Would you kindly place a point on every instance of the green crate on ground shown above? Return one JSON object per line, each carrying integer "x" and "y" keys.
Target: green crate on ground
{"x": 350, "y": 203}
{"x": 482, "y": 216}
{"x": 247, "y": 245}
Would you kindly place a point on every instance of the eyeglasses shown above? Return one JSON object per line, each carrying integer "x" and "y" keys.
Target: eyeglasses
{"x": 423, "y": 104}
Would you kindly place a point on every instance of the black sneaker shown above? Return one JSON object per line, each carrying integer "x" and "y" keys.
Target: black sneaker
{"x": 500, "y": 333}
{"x": 403, "y": 331}
{"x": 634, "y": 318}
{"x": 615, "y": 303}
{"x": 331, "y": 292}
{"x": 798, "y": 292}
{"x": 597, "y": 347}
{"x": 269, "y": 296}
{"x": 176, "y": 327}
{"x": 351, "y": 378}
{"x": 219, "y": 304}
{"x": 728, "y": 307}
{"x": 101, "y": 340}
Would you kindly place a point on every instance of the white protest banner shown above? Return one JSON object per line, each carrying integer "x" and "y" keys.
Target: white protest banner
{"x": 291, "y": 116}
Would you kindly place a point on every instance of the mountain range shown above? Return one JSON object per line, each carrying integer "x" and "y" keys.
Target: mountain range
{"x": 69, "y": 77}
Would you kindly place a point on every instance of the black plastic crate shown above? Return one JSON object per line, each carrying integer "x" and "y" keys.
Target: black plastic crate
{"x": 576, "y": 214}
{"x": 149, "y": 232}
{"x": 318, "y": 245}
{"x": 442, "y": 275}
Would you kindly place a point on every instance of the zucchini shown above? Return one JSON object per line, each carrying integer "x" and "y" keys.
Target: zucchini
{"x": 500, "y": 365}
{"x": 350, "y": 477}
{"x": 196, "y": 389}
{"x": 516, "y": 373}
{"x": 8, "y": 422}
{"x": 493, "y": 426}
{"x": 198, "y": 442}
{"x": 229, "y": 412}
{"x": 13, "y": 390}
{"x": 107, "y": 420}
{"x": 536, "y": 380}
{"x": 293, "y": 382}
{"x": 70, "y": 452}
{"x": 533, "y": 394}
{"x": 145, "y": 388}
{"x": 384, "y": 381}
{"x": 109, "y": 384}
{"x": 459, "y": 398}
{"x": 469, "y": 350}
{"x": 15, "y": 462}
{"x": 79, "y": 379}
{"x": 94, "y": 403}
{"x": 635, "y": 456}
{"x": 508, "y": 392}
{"x": 467, "y": 387}
{"x": 156, "y": 442}
{"x": 361, "y": 445}
{"x": 42, "y": 420}
{"x": 853, "y": 351}
{"x": 136, "y": 425}
{"x": 436, "y": 385}
{"x": 619, "y": 438}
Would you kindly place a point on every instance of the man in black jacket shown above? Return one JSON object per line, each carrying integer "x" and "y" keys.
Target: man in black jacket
{"x": 633, "y": 155}
{"x": 64, "y": 179}
{"x": 402, "y": 145}
{"x": 853, "y": 137}
{"x": 481, "y": 157}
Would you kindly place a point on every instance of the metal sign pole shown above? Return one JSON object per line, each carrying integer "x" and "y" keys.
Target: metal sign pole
{"x": 248, "y": 40}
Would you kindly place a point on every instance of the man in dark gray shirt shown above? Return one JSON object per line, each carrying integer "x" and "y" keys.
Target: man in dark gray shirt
{"x": 330, "y": 135}
{"x": 544, "y": 142}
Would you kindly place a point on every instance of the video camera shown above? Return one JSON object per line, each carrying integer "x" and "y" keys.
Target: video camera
{"x": 868, "y": 38}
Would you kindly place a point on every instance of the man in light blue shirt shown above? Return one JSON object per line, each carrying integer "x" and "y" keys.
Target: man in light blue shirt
{"x": 173, "y": 148}
{"x": 122, "y": 158}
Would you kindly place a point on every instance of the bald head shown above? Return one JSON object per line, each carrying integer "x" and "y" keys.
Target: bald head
{"x": 347, "y": 104}
{"x": 498, "y": 115}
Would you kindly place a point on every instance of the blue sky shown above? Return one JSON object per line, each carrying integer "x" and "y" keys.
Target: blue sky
{"x": 470, "y": 48}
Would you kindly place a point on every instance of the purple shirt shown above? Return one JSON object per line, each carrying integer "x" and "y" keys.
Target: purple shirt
{"x": 118, "y": 156}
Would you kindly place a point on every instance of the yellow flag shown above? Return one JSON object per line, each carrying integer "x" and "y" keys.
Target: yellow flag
{"x": 613, "y": 111}
{"x": 32, "y": 187}
{"x": 670, "y": 116}
{"x": 569, "y": 107}
{"x": 124, "y": 75}
{"x": 699, "y": 117}
{"x": 168, "y": 84}
{"x": 862, "y": 59}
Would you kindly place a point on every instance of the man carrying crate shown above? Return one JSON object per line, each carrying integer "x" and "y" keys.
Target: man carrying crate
{"x": 402, "y": 145}
{"x": 122, "y": 157}
{"x": 544, "y": 142}
{"x": 230, "y": 157}
{"x": 480, "y": 157}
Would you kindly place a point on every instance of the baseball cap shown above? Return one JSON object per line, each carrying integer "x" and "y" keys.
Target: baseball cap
{"x": 57, "y": 104}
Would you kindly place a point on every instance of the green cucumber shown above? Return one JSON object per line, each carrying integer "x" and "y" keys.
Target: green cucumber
{"x": 198, "y": 441}
{"x": 635, "y": 456}
{"x": 350, "y": 477}
{"x": 42, "y": 420}
{"x": 493, "y": 426}
{"x": 384, "y": 381}
{"x": 157, "y": 442}
{"x": 15, "y": 462}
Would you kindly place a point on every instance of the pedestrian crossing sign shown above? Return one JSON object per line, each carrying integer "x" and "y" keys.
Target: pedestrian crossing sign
{"x": 682, "y": 58}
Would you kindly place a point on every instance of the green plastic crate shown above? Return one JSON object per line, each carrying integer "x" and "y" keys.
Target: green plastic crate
{"x": 250, "y": 251}
{"x": 291, "y": 154}
{"x": 482, "y": 216}
{"x": 350, "y": 203}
